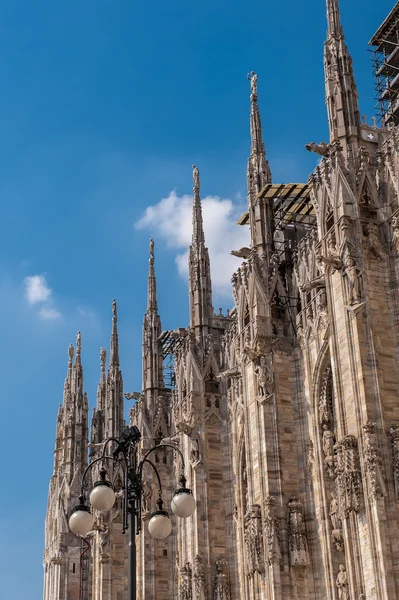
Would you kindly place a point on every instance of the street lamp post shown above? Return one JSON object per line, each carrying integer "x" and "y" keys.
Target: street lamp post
{"x": 102, "y": 496}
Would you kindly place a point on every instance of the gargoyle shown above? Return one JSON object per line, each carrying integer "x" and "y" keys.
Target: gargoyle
{"x": 322, "y": 149}
{"x": 241, "y": 253}
{"x": 230, "y": 373}
{"x": 133, "y": 395}
{"x": 314, "y": 283}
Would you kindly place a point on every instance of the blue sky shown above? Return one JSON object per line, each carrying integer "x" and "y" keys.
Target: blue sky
{"x": 104, "y": 108}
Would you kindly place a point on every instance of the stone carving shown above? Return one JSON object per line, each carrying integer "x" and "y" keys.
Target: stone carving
{"x": 272, "y": 532}
{"x": 328, "y": 449}
{"x": 311, "y": 458}
{"x": 373, "y": 244}
{"x": 336, "y": 521}
{"x": 253, "y": 78}
{"x": 221, "y": 590}
{"x": 186, "y": 583}
{"x": 196, "y": 177}
{"x": 349, "y": 478}
{"x": 325, "y": 404}
{"x": 322, "y": 149}
{"x": 318, "y": 282}
{"x": 104, "y": 544}
{"x": 332, "y": 259}
{"x": 353, "y": 274}
{"x": 395, "y": 233}
{"x": 342, "y": 584}
{"x": 199, "y": 578}
{"x": 146, "y": 497}
{"x": 373, "y": 462}
{"x": 254, "y": 539}
{"x": 265, "y": 376}
{"x": 297, "y": 541}
{"x": 394, "y": 432}
{"x": 241, "y": 253}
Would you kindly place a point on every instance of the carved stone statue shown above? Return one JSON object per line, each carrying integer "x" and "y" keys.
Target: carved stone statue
{"x": 334, "y": 512}
{"x": 221, "y": 589}
{"x": 254, "y": 539}
{"x": 297, "y": 541}
{"x": 103, "y": 358}
{"x": 342, "y": 584}
{"x": 146, "y": 497}
{"x": 196, "y": 177}
{"x": 253, "y": 78}
{"x": 322, "y": 149}
{"x": 353, "y": 274}
{"x": 395, "y": 233}
{"x": 186, "y": 587}
{"x": 265, "y": 376}
{"x": 328, "y": 442}
{"x": 199, "y": 578}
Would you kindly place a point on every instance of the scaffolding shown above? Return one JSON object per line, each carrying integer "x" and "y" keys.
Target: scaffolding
{"x": 170, "y": 341}
{"x": 385, "y": 60}
{"x": 293, "y": 213}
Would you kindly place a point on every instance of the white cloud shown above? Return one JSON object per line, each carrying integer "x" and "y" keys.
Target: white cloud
{"x": 49, "y": 314}
{"x": 38, "y": 292}
{"x": 37, "y": 289}
{"x": 172, "y": 219}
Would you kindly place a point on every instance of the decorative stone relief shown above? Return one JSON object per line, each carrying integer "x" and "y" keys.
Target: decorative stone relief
{"x": 199, "y": 578}
{"x": 272, "y": 532}
{"x": 336, "y": 522}
{"x": 221, "y": 590}
{"x": 349, "y": 479}
{"x": 186, "y": 584}
{"x": 342, "y": 584}
{"x": 297, "y": 541}
{"x": 311, "y": 458}
{"x": 325, "y": 412}
{"x": 395, "y": 233}
{"x": 253, "y": 536}
{"x": 328, "y": 450}
{"x": 373, "y": 246}
{"x": 394, "y": 432}
{"x": 264, "y": 372}
{"x": 373, "y": 462}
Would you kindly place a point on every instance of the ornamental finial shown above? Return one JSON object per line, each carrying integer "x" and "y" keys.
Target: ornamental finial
{"x": 196, "y": 178}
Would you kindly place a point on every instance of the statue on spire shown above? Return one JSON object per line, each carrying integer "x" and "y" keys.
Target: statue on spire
{"x": 71, "y": 352}
{"x": 114, "y": 313}
{"x": 196, "y": 178}
{"x": 152, "y": 254}
{"x": 103, "y": 358}
{"x": 253, "y": 78}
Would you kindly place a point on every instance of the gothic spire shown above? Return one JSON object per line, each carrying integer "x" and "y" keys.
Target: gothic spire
{"x": 258, "y": 175}
{"x": 114, "y": 355}
{"x": 333, "y": 20}
{"x": 198, "y": 224}
{"x": 200, "y": 286}
{"x": 152, "y": 351}
{"x": 114, "y": 405}
{"x": 260, "y": 166}
{"x": 341, "y": 91}
{"x": 152, "y": 305}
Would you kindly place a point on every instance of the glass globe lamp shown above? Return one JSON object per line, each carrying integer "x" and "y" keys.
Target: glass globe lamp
{"x": 160, "y": 525}
{"x": 183, "y": 502}
{"x": 102, "y": 496}
{"x": 81, "y": 519}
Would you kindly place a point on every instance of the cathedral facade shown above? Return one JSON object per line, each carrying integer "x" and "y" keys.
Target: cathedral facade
{"x": 286, "y": 409}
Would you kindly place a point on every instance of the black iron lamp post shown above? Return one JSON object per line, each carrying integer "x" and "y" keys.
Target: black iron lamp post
{"x": 102, "y": 496}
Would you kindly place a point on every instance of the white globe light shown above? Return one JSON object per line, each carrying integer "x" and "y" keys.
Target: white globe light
{"x": 160, "y": 525}
{"x": 183, "y": 504}
{"x": 81, "y": 522}
{"x": 102, "y": 497}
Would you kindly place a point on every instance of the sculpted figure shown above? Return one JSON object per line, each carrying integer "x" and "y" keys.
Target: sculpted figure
{"x": 253, "y": 78}
{"x": 328, "y": 442}
{"x": 334, "y": 512}
{"x": 342, "y": 584}
{"x": 196, "y": 178}
{"x": 353, "y": 274}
